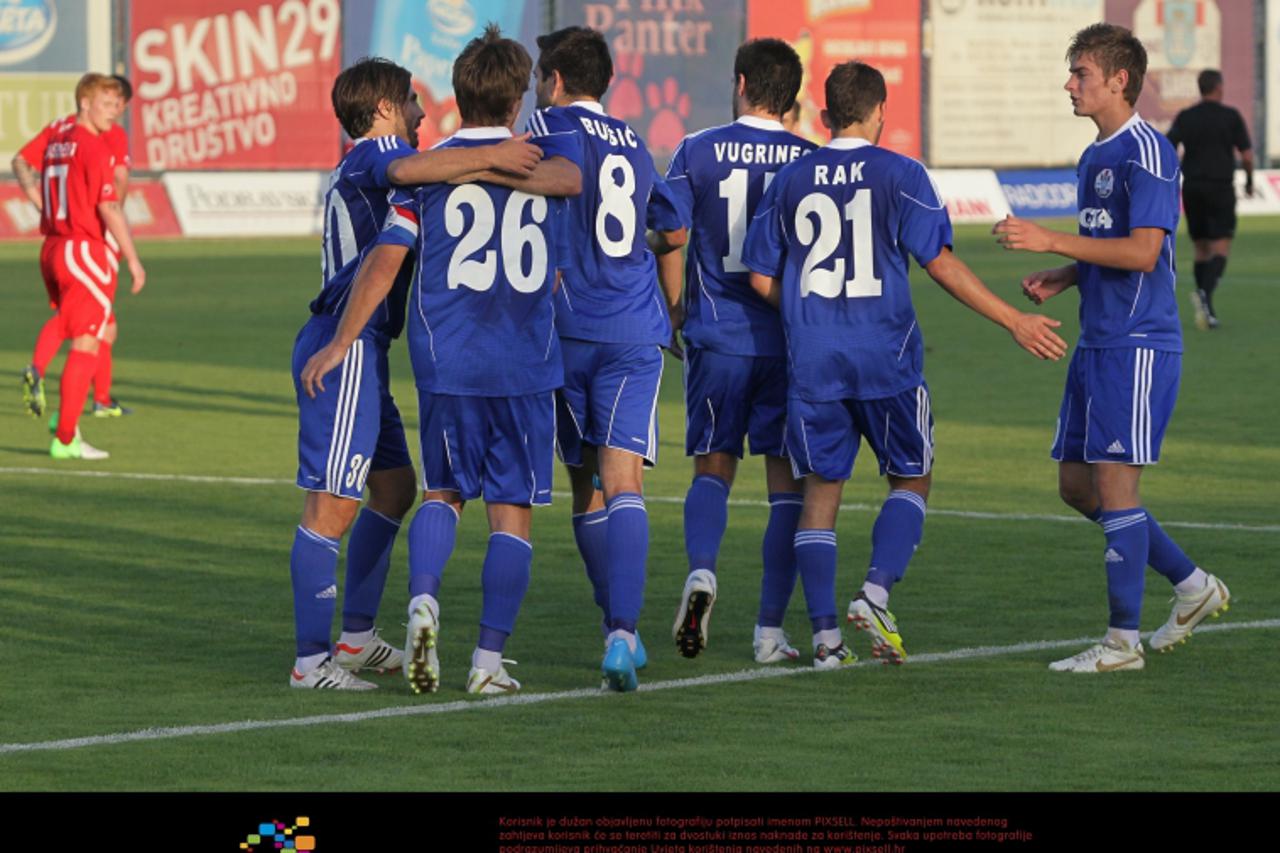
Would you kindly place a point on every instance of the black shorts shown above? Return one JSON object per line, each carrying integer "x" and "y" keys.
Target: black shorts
{"x": 1211, "y": 210}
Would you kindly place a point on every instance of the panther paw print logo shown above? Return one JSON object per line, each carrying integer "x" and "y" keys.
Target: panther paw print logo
{"x": 670, "y": 108}
{"x": 626, "y": 101}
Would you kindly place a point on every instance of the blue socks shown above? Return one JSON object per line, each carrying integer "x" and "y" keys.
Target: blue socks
{"x": 1126, "y": 560}
{"x": 591, "y": 532}
{"x": 894, "y": 537}
{"x": 706, "y": 514}
{"x": 368, "y": 558}
{"x": 313, "y": 567}
{"x": 816, "y": 561}
{"x": 778, "y": 553}
{"x": 431, "y": 538}
{"x": 1163, "y": 554}
{"x": 627, "y": 555}
{"x": 504, "y": 579}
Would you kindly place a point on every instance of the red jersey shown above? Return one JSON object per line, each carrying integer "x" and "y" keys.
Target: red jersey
{"x": 116, "y": 140}
{"x": 75, "y": 177}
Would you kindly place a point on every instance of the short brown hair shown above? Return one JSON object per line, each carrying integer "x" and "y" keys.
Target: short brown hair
{"x": 582, "y": 58}
{"x": 854, "y": 89}
{"x": 490, "y": 75}
{"x": 772, "y": 71}
{"x": 360, "y": 88}
{"x": 92, "y": 83}
{"x": 1114, "y": 49}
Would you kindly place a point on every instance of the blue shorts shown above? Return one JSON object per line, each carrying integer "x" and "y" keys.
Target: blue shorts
{"x": 498, "y": 448}
{"x": 351, "y": 427}
{"x": 1117, "y": 405}
{"x": 609, "y": 399}
{"x": 823, "y": 437}
{"x": 729, "y": 397}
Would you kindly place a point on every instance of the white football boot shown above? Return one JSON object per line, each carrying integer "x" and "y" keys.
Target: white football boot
{"x": 422, "y": 663}
{"x": 1189, "y": 611}
{"x": 329, "y": 676}
{"x": 1107, "y": 656}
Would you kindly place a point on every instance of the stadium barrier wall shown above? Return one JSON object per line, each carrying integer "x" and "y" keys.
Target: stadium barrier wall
{"x": 291, "y": 204}
{"x": 147, "y": 208}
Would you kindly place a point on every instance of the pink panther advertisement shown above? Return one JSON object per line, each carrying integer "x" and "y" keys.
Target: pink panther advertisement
{"x": 672, "y": 63}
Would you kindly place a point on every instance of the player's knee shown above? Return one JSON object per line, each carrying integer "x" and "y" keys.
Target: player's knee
{"x": 392, "y": 492}
{"x": 1081, "y": 500}
{"x": 329, "y": 515}
{"x": 722, "y": 465}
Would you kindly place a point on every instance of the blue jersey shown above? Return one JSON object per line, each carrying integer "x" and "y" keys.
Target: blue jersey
{"x": 718, "y": 177}
{"x": 609, "y": 283}
{"x": 355, "y": 208}
{"x": 837, "y": 226}
{"x": 1129, "y": 180}
{"x": 481, "y": 318}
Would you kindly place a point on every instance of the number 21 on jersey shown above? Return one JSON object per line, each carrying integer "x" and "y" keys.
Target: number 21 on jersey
{"x": 825, "y": 239}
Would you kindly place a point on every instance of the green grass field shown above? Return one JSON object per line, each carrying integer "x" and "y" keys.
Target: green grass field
{"x": 152, "y": 590}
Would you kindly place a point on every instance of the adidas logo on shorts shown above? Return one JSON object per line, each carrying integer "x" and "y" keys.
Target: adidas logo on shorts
{"x": 1116, "y": 447}
{"x": 1113, "y": 556}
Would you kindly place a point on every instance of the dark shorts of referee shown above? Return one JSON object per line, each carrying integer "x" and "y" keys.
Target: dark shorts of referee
{"x": 1211, "y": 209}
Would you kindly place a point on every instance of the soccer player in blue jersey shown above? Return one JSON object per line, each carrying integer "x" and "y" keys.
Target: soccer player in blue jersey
{"x": 486, "y": 361}
{"x": 612, "y": 323}
{"x": 1123, "y": 378}
{"x": 735, "y": 364}
{"x": 830, "y": 244}
{"x": 352, "y": 433}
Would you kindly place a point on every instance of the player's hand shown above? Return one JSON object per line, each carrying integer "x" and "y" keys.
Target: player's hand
{"x": 139, "y": 276}
{"x": 517, "y": 155}
{"x": 675, "y": 347}
{"x": 676, "y": 312}
{"x": 1042, "y": 285}
{"x": 1021, "y": 234}
{"x": 1248, "y": 189}
{"x": 318, "y": 366}
{"x": 1034, "y": 333}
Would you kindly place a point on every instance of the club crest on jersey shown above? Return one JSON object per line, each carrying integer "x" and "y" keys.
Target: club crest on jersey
{"x": 1104, "y": 183}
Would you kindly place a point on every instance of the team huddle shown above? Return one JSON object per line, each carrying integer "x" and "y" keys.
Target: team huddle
{"x": 539, "y": 277}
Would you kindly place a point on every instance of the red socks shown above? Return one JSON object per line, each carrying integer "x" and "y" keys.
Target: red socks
{"x": 73, "y": 391}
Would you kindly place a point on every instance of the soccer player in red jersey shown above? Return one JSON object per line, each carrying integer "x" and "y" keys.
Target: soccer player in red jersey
{"x": 79, "y": 208}
{"x": 27, "y": 165}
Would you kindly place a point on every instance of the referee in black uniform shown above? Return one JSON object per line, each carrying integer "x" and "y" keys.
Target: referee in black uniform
{"x": 1210, "y": 133}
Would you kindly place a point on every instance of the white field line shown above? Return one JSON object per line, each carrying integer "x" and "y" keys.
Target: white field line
{"x": 666, "y": 499}
{"x": 755, "y": 674}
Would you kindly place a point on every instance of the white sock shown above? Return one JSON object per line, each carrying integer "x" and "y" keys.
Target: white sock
{"x": 626, "y": 635}
{"x": 429, "y": 599}
{"x": 829, "y": 638}
{"x": 1123, "y": 636}
{"x": 773, "y": 633}
{"x": 876, "y": 594}
{"x": 355, "y": 639}
{"x": 1194, "y": 582}
{"x": 310, "y": 662}
{"x": 486, "y": 660}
